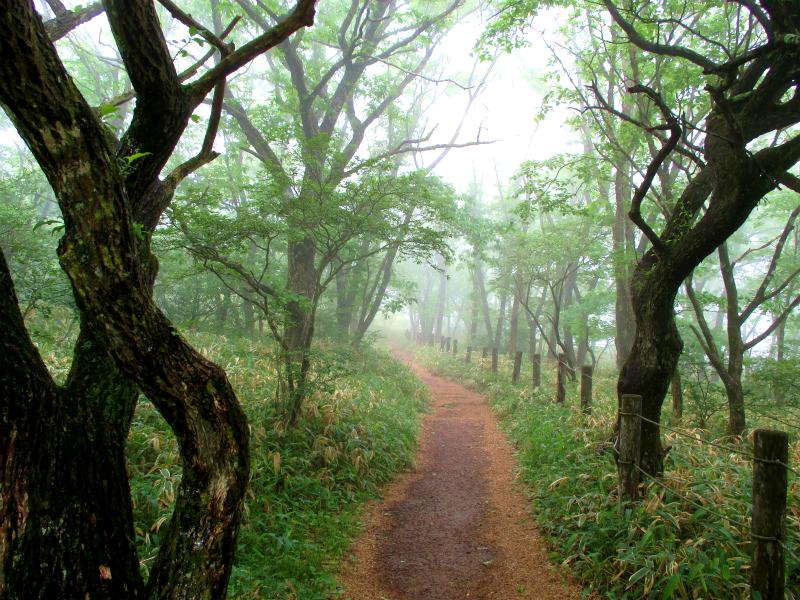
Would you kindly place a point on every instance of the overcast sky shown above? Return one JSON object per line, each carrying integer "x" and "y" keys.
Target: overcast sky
{"x": 505, "y": 112}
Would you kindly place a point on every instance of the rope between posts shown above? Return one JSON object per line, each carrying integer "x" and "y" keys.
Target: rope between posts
{"x": 776, "y": 419}
{"x": 736, "y": 522}
{"x": 689, "y": 500}
{"x": 697, "y": 438}
{"x": 731, "y": 449}
{"x": 719, "y": 515}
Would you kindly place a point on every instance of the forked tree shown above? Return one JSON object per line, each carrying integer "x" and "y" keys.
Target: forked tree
{"x": 749, "y": 147}
{"x": 65, "y": 517}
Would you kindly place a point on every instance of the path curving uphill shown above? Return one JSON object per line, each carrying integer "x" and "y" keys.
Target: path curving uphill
{"x": 454, "y": 527}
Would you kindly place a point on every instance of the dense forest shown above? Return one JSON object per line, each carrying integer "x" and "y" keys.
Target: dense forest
{"x": 227, "y": 223}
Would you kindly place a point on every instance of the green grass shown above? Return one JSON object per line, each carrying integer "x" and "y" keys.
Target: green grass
{"x": 308, "y": 483}
{"x": 688, "y": 541}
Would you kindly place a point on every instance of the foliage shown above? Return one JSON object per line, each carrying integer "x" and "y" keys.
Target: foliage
{"x": 29, "y": 232}
{"x": 688, "y": 538}
{"x": 357, "y": 430}
{"x": 308, "y": 481}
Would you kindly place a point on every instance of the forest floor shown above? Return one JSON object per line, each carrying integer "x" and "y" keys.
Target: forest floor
{"x": 456, "y": 526}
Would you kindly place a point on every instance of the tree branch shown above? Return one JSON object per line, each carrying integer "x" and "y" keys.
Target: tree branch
{"x": 67, "y": 20}
{"x": 301, "y": 16}
{"x": 706, "y": 340}
{"x": 189, "y": 21}
{"x": 675, "y": 135}
{"x": 662, "y": 49}
{"x": 761, "y": 296}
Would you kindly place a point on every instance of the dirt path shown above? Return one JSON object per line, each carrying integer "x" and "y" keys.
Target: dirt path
{"x": 454, "y": 527}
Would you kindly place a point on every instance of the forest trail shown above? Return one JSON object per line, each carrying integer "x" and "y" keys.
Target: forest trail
{"x": 454, "y": 527}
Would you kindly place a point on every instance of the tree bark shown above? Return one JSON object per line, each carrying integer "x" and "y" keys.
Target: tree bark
{"x": 501, "y": 317}
{"x": 66, "y": 509}
{"x": 623, "y": 311}
{"x": 344, "y": 302}
{"x": 375, "y": 299}
{"x": 441, "y": 299}
{"x": 111, "y": 271}
{"x": 513, "y": 325}
{"x": 302, "y": 282}
{"x": 483, "y": 299}
{"x": 676, "y": 387}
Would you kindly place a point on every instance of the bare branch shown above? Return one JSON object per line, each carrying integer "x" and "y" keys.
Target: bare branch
{"x": 790, "y": 181}
{"x": 704, "y": 336}
{"x": 774, "y": 325}
{"x": 206, "y": 153}
{"x": 637, "y": 39}
{"x": 675, "y": 135}
{"x": 67, "y": 20}
{"x": 301, "y": 16}
{"x": 761, "y": 295}
{"x": 408, "y": 146}
{"x": 129, "y": 95}
{"x": 189, "y": 21}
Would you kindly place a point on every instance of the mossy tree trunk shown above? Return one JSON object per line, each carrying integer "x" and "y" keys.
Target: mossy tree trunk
{"x": 67, "y": 519}
{"x": 66, "y": 512}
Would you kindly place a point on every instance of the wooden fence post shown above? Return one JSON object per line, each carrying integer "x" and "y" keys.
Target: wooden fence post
{"x": 447, "y": 344}
{"x": 468, "y": 357}
{"x": 586, "y": 389}
{"x": 494, "y": 360}
{"x": 517, "y": 367}
{"x": 561, "y": 384}
{"x": 768, "y": 528}
{"x": 455, "y": 347}
{"x": 630, "y": 437}
{"x": 536, "y": 370}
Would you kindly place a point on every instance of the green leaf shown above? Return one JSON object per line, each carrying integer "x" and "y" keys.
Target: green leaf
{"x": 58, "y": 222}
{"x": 107, "y": 109}
{"x": 639, "y": 574}
{"x": 671, "y": 586}
{"x": 136, "y": 156}
{"x": 195, "y": 118}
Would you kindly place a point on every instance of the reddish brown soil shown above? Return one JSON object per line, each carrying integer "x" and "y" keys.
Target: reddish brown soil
{"x": 454, "y": 527}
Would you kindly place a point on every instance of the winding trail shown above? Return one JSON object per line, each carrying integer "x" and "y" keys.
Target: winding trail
{"x": 454, "y": 527}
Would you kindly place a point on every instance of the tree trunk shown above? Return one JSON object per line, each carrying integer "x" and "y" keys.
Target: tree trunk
{"x": 442, "y": 299}
{"x": 344, "y": 306}
{"x": 66, "y": 515}
{"x": 425, "y": 320}
{"x": 677, "y": 395}
{"x": 651, "y": 363}
{"x": 474, "y": 318}
{"x": 569, "y": 341}
{"x": 513, "y": 326}
{"x": 221, "y": 312}
{"x": 501, "y": 317}
{"x": 736, "y": 414}
{"x": 248, "y": 316}
{"x": 299, "y": 330}
{"x": 778, "y": 394}
{"x": 110, "y": 268}
{"x": 623, "y": 310}
{"x": 483, "y": 299}
{"x": 374, "y": 300}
